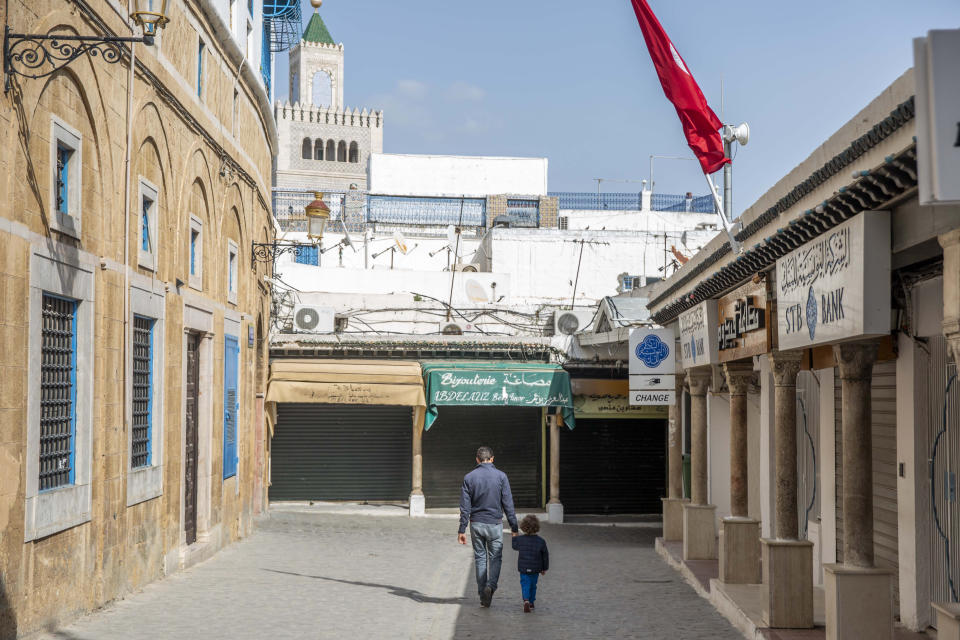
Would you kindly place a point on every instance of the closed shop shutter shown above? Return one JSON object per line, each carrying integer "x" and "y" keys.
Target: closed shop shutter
{"x": 613, "y": 466}
{"x": 450, "y": 447}
{"x": 341, "y": 452}
{"x": 883, "y": 400}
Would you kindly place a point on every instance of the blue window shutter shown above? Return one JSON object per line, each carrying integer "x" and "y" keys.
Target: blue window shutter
{"x": 145, "y": 226}
{"x": 200, "y": 70}
{"x": 231, "y": 352}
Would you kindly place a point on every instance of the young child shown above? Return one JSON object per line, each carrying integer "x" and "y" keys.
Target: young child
{"x": 532, "y": 561}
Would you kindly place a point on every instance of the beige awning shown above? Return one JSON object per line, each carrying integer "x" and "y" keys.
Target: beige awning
{"x": 384, "y": 382}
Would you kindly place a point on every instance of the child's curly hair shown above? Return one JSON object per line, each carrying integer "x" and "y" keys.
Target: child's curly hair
{"x": 530, "y": 524}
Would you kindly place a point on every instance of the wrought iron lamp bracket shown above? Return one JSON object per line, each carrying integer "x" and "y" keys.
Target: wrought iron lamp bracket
{"x": 270, "y": 251}
{"x": 30, "y": 55}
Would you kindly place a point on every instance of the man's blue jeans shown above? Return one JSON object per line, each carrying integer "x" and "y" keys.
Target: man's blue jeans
{"x": 487, "y": 542}
{"x": 528, "y": 586}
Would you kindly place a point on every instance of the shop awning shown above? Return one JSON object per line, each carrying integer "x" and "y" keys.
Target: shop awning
{"x": 381, "y": 382}
{"x": 490, "y": 384}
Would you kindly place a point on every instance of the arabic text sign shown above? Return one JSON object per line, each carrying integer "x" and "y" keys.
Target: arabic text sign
{"x": 742, "y": 327}
{"x": 698, "y": 336}
{"x": 937, "y": 78}
{"x": 652, "y": 351}
{"x": 510, "y": 388}
{"x": 653, "y": 398}
{"x": 613, "y": 406}
{"x": 836, "y": 287}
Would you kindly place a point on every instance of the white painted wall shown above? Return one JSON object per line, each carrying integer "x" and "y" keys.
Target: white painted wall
{"x": 475, "y": 176}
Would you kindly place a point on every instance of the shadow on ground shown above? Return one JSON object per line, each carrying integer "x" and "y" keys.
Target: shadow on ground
{"x": 412, "y": 594}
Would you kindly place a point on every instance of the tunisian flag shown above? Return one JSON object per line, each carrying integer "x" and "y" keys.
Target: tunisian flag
{"x": 700, "y": 124}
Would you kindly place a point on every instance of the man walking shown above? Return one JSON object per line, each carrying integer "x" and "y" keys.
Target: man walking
{"x": 484, "y": 499}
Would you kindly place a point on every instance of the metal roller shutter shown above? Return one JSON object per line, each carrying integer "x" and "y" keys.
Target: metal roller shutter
{"x": 883, "y": 404}
{"x": 613, "y": 466}
{"x": 450, "y": 446}
{"x": 341, "y": 452}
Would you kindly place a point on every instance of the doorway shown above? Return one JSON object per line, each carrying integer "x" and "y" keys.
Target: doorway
{"x": 191, "y": 438}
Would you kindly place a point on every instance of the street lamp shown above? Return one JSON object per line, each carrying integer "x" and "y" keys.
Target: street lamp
{"x": 318, "y": 213}
{"x": 150, "y": 16}
{"x": 39, "y": 55}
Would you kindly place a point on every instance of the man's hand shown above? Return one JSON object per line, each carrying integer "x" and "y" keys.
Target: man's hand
{"x": 543, "y": 573}
{"x": 514, "y": 534}
{"x": 462, "y": 538}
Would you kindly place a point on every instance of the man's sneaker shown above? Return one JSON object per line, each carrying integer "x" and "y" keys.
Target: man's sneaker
{"x": 486, "y": 597}
{"x": 527, "y": 606}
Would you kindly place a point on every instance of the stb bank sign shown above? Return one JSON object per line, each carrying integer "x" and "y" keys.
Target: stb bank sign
{"x": 836, "y": 287}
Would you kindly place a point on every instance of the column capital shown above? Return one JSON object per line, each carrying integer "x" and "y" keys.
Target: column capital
{"x": 698, "y": 380}
{"x": 680, "y": 382}
{"x": 953, "y": 344}
{"x": 740, "y": 376}
{"x": 785, "y": 367}
{"x": 949, "y": 239}
{"x": 855, "y": 359}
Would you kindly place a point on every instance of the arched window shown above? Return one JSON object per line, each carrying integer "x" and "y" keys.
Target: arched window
{"x": 322, "y": 89}
{"x": 318, "y": 149}
{"x": 305, "y": 151}
{"x": 342, "y": 151}
{"x": 354, "y": 152}
{"x": 331, "y": 151}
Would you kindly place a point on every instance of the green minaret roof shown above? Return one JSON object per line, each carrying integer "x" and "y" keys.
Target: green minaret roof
{"x": 316, "y": 31}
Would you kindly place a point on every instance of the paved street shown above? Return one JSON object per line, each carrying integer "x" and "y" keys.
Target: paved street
{"x": 321, "y": 575}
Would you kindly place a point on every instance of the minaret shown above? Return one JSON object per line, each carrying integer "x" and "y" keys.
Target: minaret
{"x": 316, "y": 60}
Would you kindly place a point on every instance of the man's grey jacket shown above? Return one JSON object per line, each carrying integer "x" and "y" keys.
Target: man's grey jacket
{"x": 485, "y": 497}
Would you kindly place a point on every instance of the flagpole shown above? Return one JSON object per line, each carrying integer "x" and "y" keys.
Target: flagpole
{"x": 727, "y": 225}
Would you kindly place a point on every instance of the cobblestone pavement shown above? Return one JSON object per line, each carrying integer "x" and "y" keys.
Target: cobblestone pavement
{"x": 310, "y": 575}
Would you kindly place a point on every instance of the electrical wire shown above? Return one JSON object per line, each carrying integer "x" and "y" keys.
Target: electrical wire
{"x": 933, "y": 488}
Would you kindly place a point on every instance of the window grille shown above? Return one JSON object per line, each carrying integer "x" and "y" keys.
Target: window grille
{"x": 194, "y": 237}
{"x": 523, "y": 213}
{"x": 627, "y": 283}
{"x": 563, "y": 222}
{"x": 58, "y": 379}
{"x": 142, "y": 392}
{"x": 200, "y": 69}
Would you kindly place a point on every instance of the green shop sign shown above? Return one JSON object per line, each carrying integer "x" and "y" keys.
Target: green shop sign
{"x": 492, "y": 384}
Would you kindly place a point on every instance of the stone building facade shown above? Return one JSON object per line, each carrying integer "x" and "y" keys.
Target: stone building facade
{"x": 324, "y": 145}
{"x": 132, "y": 441}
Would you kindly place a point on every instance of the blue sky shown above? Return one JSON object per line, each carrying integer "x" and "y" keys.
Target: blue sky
{"x": 572, "y": 81}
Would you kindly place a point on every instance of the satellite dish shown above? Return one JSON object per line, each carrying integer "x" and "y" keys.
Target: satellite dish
{"x": 475, "y": 291}
{"x": 401, "y": 242}
{"x": 347, "y": 240}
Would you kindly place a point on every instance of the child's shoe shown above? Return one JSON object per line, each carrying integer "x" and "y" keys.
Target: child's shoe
{"x": 532, "y": 607}
{"x": 527, "y": 606}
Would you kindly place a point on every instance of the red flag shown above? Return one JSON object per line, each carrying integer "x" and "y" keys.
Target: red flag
{"x": 700, "y": 124}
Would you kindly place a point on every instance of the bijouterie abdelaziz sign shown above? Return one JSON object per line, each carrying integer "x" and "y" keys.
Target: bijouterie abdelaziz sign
{"x": 836, "y": 287}
{"x": 698, "y": 335}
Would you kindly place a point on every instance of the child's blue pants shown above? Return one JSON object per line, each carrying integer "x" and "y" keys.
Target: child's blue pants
{"x": 528, "y": 586}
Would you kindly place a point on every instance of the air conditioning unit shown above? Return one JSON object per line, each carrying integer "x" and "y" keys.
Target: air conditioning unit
{"x": 567, "y": 322}
{"x": 313, "y": 319}
{"x": 454, "y": 328}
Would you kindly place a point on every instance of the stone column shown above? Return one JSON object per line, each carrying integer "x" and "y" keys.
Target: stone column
{"x": 673, "y": 503}
{"x": 699, "y": 521}
{"x": 787, "y": 561}
{"x": 856, "y": 580}
{"x": 554, "y": 506}
{"x": 739, "y": 534}
{"x": 417, "y": 501}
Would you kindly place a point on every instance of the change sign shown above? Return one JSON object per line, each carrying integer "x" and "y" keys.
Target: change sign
{"x": 653, "y": 363}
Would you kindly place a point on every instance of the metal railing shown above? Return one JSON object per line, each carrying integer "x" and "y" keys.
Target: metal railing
{"x": 632, "y": 201}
